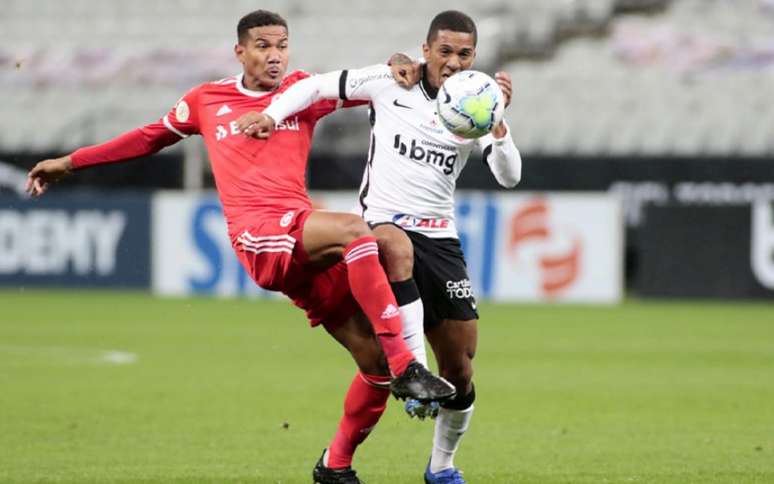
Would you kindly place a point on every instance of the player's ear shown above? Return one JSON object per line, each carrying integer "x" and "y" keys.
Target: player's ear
{"x": 239, "y": 52}
{"x": 426, "y": 51}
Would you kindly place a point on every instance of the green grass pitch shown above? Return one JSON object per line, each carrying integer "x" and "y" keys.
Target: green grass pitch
{"x": 225, "y": 391}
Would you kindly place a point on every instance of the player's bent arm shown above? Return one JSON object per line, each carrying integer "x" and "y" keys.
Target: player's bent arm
{"x": 303, "y": 94}
{"x": 503, "y": 158}
{"x": 346, "y": 85}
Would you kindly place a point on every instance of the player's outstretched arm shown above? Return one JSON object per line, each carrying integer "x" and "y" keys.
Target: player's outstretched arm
{"x": 46, "y": 172}
{"x": 133, "y": 144}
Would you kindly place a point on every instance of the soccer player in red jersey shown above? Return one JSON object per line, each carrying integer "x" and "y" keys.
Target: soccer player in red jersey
{"x": 327, "y": 263}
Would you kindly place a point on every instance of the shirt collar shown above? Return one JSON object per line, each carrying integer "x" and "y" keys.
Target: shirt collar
{"x": 429, "y": 91}
{"x": 247, "y": 92}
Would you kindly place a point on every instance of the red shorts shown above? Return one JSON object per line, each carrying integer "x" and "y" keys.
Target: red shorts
{"x": 271, "y": 249}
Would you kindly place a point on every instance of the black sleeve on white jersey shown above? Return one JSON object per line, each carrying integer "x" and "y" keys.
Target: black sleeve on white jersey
{"x": 343, "y": 85}
{"x": 487, "y": 152}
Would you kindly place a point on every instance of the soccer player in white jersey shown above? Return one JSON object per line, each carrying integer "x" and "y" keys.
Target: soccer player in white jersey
{"x": 407, "y": 195}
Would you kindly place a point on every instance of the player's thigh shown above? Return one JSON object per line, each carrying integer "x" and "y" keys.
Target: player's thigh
{"x": 357, "y": 335}
{"x": 441, "y": 275}
{"x": 395, "y": 251}
{"x": 454, "y": 343}
{"x": 326, "y": 234}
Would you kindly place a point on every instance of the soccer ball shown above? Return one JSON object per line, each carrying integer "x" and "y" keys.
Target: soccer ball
{"x": 470, "y": 104}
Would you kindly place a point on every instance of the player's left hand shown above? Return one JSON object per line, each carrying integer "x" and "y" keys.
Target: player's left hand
{"x": 406, "y": 71}
{"x": 46, "y": 172}
{"x": 255, "y": 124}
{"x": 503, "y": 80}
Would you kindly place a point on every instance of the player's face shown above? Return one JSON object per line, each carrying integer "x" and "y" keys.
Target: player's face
{"x": 264, "y": 57}
{"x": 449, "y": 53}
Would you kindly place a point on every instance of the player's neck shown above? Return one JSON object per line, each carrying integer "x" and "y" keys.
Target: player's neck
{"x": 427, "y": 85}
{"x": 252, "y": 84}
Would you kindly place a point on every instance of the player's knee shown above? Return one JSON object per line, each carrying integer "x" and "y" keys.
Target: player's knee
{"x": 353, "y": 228}
{"x": 398, "y": 257}
{"x": 459, "y": 373}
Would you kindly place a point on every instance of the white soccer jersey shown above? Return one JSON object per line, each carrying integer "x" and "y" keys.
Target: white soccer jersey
{"x": 413, "y": 161}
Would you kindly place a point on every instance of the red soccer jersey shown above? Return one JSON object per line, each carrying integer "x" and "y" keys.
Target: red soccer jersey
{"x": 253, "y": 177}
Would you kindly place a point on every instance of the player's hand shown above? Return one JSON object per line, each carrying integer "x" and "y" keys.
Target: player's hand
{"x": 503, "y": 80}
{"x": 406, "y": 71}
{"x": 255, "y": 124}
{"x": 47, "y": 172}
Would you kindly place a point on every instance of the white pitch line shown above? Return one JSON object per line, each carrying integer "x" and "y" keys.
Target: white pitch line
{"x": 63, "y": 355}
{"x": 119, "y": 357}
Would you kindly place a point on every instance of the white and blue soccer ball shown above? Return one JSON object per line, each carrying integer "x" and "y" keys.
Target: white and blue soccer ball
{"x": 470, "y": 104}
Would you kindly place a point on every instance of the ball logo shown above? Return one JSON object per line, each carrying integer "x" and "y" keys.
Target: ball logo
{"x": 182, "y": 112}
{"x": 286, "y": 219}
{"x": 558, "y": 253}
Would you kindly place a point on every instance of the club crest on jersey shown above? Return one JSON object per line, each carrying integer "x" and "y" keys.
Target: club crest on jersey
{"x": 409, "y": 221}
{"x": 286, "y": 219}
{"x": 182, "y": 111}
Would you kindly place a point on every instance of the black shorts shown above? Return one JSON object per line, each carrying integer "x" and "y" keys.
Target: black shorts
{"x": 442, "y": 278}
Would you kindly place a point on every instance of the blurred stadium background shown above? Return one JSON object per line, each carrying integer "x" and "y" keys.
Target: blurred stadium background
{"x": 647, "y": 131}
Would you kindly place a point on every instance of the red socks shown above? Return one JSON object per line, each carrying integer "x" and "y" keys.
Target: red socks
{"x": 372, "y": 291}
{"x": 364, "y": 405}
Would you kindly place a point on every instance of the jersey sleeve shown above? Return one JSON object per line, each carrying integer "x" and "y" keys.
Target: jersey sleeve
{"x": 180, "y": 122}
{"x": 502, "y": 157}
{"x": 327, "y": 106}
{"x": 183, "y": 118}
{"x": 364, "y": 84}
{"x": 317, "y": 95}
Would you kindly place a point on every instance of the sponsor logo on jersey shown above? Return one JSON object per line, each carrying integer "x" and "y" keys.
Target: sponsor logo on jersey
{"x": 408, "y": 221}
{"x": 289, "y": 124}
{"x": 182, "y": 111}
{"x": 459, "y": 289}
{"x": 231, "y": 129}
{"x": 398, "y": 104}
{"x": 355, "y": 82}
{"x": 439, "y": 155}
{"x": 223, "y": 110}
{"x": 434, "y": 127}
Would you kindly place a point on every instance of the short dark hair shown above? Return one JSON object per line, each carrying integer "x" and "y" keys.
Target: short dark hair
{"x": 453, "y": 20}
{"x": 259, "y": 18}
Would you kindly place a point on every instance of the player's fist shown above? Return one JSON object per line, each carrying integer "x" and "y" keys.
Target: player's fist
{"x": 47, "y": 172}
{"x": 503, "y": 80}
{"x": 406, "y": 71}
{"x": 255, "y": 124}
